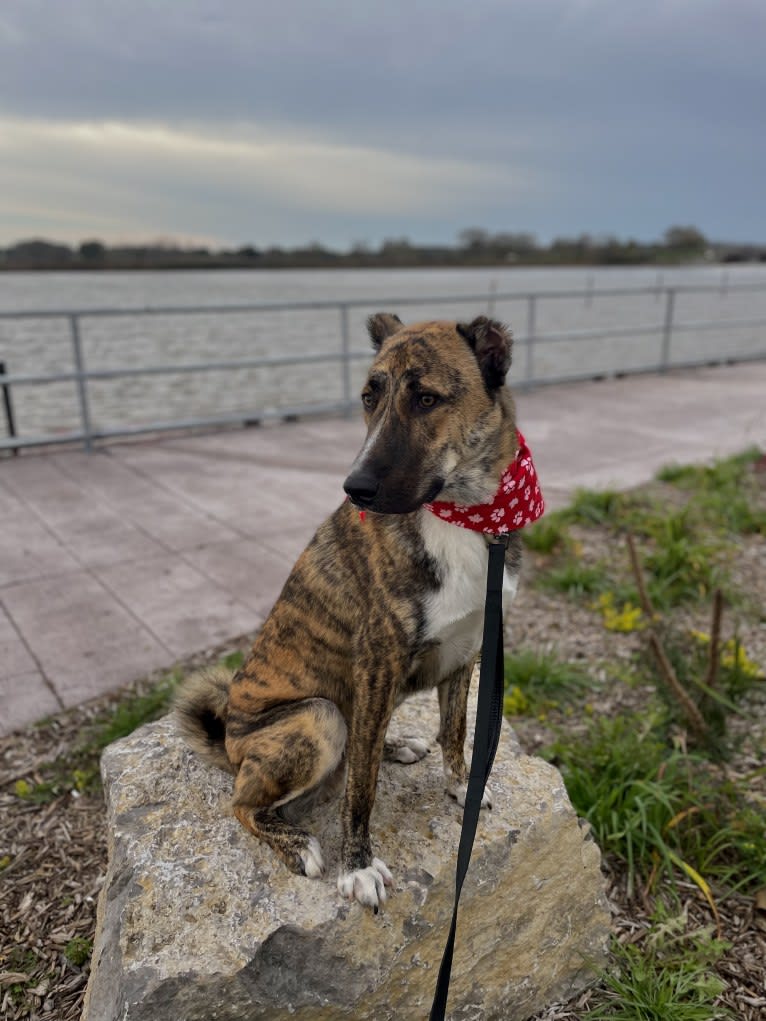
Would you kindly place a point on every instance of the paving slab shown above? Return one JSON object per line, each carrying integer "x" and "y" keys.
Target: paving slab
{"x": 139, "y": 501}
{"x": 89, "y": 528}
{"x": 249, "y": 570}
{"x": 85, "y": 641}
{"x": 183, "y": 608}
{"x": 25, "y": 698}
{"x": 116, "y": 563}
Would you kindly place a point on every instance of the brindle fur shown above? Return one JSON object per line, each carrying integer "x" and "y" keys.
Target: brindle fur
{"x": 352, "y": 633}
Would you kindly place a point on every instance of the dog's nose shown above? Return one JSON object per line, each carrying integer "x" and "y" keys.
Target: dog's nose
{"x": 361, "y": 488}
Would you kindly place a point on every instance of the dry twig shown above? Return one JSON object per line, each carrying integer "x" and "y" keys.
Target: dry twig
{"x": 693, "y": 715}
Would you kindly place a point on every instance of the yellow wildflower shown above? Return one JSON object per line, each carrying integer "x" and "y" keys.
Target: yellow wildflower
{"x": 629, "y": 618}
{"x": 515, "y": 702}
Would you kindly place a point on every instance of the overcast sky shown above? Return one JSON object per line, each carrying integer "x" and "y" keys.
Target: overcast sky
{"x": 242, "y": 121}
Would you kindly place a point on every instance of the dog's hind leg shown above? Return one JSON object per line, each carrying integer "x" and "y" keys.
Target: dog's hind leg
{"x": 289, "y": 752}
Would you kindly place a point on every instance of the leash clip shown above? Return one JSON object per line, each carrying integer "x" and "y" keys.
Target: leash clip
{"x": 499, "y": 540}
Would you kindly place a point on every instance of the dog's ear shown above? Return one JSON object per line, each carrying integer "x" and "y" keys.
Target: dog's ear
{"x": 382, "y": 325}
{"x": 491, "y": 342}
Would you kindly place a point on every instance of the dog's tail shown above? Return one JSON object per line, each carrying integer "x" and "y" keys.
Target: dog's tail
{"x": 201, "y": 707}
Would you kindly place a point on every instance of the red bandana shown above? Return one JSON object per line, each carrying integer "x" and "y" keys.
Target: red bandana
{"x": 517, "y": 502}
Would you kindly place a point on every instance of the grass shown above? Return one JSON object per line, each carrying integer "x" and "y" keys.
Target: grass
{"x": 723, "y": 493}
{"x": 668, "y": 977}
{"x": 661, "y": 812}
{"x": 536, "y": 682}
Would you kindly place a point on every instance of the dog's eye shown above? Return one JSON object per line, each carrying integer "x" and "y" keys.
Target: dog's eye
{"x": 368, "y": 400}
{"x": 427, "y": 400}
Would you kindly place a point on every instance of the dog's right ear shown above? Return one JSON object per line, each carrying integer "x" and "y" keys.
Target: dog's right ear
{"x": 382, "y": 325}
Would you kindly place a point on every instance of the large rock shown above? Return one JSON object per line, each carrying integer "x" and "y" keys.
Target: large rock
{"x": 197, "y": 921}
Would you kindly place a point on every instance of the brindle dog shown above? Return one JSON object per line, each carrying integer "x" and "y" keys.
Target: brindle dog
{"x": 377, "y": 607}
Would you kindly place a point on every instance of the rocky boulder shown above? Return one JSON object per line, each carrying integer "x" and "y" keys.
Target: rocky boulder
{"x": 199, "y": 922}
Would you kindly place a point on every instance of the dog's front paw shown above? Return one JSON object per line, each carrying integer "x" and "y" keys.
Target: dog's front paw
{"x": 458, "y": 791}
{"x": 368, "y": 886}
{"x": 406, "y": 750}
{"x": 311, "y": 858}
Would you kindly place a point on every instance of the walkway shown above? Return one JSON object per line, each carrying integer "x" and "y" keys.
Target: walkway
{"x": 123, "y": 561}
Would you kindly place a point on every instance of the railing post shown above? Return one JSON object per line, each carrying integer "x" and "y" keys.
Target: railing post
{"x": 491, "y": 300}
{"x": 8, "y": 404}
{"x": 531, "y": 311}
{"x": 667, "y": 329}
{"x": 82, "y": 382}
{"x": 346, "y": 362}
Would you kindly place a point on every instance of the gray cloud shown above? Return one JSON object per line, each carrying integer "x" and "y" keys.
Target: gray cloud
{"x": 417, "y": 117}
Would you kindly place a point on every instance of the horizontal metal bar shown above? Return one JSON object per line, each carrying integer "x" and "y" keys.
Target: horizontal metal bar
{"x": 443, "y": 299}
{"x": 718, "y": 324}
{"x": 165, "y": 370}
{"x": 600, "y": 334}
{"x": 642, "y": 370}
{"x": 258, "y": 363}
{"x": 240, "y": 418}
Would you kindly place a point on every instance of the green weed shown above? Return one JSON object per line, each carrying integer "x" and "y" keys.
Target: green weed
{"x": 547, "y": 535}
{"x": 681, "y": 567}
{"x": 133, "y": 712}
{"x": 592, "y": 507}
{"x": 78, "y": 951}
{"x": 536, "y": 682}
{"x": 575, "y": 578}
{"x": 233, "y": 660}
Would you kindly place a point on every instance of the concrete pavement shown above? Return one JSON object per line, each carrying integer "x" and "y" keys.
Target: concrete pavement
{"x": 123, "y": 561}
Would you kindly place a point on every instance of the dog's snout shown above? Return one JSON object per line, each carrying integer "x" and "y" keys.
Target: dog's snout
{"x": 361, "y": 488}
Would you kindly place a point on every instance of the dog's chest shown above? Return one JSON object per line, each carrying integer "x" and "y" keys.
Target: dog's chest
{"x": 454, "y": 614}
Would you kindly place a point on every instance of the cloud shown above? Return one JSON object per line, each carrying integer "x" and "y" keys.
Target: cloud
{"x": 137, "y": 172}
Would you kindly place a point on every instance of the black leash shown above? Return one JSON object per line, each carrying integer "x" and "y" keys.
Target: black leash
{"x": 489, "y": 719}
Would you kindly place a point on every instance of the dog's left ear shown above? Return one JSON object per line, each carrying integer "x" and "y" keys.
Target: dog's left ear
{"x": 382, "y": 325}
{"x": 491, "y": 342}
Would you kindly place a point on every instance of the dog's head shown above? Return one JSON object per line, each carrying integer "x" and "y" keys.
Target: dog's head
{"x": 440, "y": 423}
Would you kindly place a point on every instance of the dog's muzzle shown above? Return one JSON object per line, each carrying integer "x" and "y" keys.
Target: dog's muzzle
{"x": 368, "y": 492}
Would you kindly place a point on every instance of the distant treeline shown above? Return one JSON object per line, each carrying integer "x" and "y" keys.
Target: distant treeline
{"x": 474, "y": 247}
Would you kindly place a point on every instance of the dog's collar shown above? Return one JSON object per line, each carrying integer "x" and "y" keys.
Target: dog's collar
{"x": 517, "y": 502}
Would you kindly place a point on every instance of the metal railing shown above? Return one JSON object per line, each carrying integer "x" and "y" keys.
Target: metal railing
{"x": 531, "y": 341}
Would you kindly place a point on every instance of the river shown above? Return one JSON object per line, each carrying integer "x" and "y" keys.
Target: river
{"x": 44, "y": 345}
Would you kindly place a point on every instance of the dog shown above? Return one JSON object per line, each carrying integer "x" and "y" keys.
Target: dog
{"x": 386, "y": 600}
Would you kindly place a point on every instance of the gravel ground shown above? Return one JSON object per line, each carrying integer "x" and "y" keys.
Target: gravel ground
{"x": 53, "y": 855}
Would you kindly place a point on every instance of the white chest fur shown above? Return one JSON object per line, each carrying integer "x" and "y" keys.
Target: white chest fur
{"x": 455, "y": 613}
